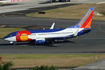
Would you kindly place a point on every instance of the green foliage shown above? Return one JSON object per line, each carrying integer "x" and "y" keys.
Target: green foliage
{"x": 1, "y": 67}
{"x": 1, "y": 3}
{"x": 53, "y": 68}
{"x": 6, "y": 66}
{"x": 44, "y": 68}
{"x": 103, "y": 14}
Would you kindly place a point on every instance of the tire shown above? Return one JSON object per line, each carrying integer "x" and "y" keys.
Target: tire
{"x": 32, "y": 42}
{"x": 68, "y": 1}
{"x": 53, "y": 0}
{"x": 51, "y": 41}
{"x": 60, "y": 0}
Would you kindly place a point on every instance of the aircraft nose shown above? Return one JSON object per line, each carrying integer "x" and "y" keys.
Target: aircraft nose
{"x": 6, "y": 38}
{"x": 12, "y": 39}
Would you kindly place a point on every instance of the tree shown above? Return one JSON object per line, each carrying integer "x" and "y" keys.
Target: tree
{"x": 44, "y": 68}
{"x": 5, "y": 65}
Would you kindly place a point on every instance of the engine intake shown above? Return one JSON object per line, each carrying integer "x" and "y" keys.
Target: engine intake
{"x": 40, "y": 41}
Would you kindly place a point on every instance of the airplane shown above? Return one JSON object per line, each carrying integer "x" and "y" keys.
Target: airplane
{"x": 49, "y": 36}
{"x": 58, "y": 0}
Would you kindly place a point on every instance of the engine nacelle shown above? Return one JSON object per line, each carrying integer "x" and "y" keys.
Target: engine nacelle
{"x": 40, "y": 41}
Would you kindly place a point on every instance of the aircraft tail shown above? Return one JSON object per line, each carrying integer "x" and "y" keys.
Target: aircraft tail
{"x": 85, "y": 22}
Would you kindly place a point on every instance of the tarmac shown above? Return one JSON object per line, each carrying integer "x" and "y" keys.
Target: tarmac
{"x": 27, "y": 4}
{"x": 91, "y": 42}
{"x": 98, "y": 65}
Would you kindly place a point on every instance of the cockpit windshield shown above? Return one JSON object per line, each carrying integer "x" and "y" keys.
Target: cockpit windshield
{"x": 12, "y": 34}
{"x": 9, "y": 35}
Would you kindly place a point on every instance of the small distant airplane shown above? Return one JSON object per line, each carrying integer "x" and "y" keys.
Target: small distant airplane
{"x": 58, "y": 0}
{"x": 51, "y": 35}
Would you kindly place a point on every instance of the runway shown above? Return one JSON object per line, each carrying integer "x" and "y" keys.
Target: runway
{"x": 29, "y": 4}
{"x": 93, "y": 42}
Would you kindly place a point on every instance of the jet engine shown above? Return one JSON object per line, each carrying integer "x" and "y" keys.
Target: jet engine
{"x": 40, "y": 41}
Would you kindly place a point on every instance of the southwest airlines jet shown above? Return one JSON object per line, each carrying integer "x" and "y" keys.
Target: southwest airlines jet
{"x": 51, "y": 35}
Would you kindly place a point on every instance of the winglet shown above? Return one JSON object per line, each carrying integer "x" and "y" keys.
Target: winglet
{"x": 85, "y": 22}
{"x": 52, "y": 27}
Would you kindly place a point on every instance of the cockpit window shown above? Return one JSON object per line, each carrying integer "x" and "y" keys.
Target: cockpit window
{"x": 10, "y": 35}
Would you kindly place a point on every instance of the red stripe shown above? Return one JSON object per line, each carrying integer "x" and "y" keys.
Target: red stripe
{"x": 87, "y": 20}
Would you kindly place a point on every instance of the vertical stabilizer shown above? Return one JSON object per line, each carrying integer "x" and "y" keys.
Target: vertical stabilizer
{"x": 85, "y": 22}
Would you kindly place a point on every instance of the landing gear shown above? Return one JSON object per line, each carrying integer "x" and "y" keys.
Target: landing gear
{"x": 68, "y": 0}
{"x": 50, "y": 41}
{"x": 32, "y": 42}
{"x": 50, "y": 1}
{"x": 60, "y": 0}
{"x": 14, "y": 43}
{"x": 64, "y": 0}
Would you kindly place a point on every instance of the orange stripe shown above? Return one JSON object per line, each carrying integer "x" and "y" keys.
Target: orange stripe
{"x": 87, "y": 20}
{"x": 89, "y": 24}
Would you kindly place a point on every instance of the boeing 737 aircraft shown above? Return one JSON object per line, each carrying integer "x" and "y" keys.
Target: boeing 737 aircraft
{"x": 50, "y": 35}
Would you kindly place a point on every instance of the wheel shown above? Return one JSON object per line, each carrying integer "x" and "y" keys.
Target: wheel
{"x": 53, "y": 0}
{"x": 60, "y": 0}
{"x": 50, "y": 1}
{"x": 51, "y": 41}
{"x": 32, "y": 42}
{"x": 68, "y": 0}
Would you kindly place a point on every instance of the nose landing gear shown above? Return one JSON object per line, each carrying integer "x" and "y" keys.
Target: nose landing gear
{"x": 14, "y": 43}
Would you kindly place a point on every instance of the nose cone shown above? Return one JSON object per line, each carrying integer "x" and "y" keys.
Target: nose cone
{"x": 11, "y": 39}
{"x": 6, "y": 38}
